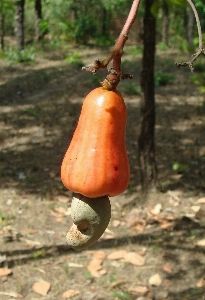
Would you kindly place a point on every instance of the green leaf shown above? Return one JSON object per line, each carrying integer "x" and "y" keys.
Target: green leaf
{"x": 155, "y": 7}
{"x": 182, "y": 3}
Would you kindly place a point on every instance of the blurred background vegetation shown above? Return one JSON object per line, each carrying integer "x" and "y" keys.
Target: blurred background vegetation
{"x": 28, "y": 26}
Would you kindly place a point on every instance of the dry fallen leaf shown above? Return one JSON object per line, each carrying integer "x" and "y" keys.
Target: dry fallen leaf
{"x": 102, "y": 272}
{"x": 134, "y": 258}
{"x": 41, "y": 287}
{"x": 74, "y": 265}
{"x": 117, "y": 254}
{"x": 167, "y": 268}
{"x": 40, "y": 270}
{"x": 99, "y": 254}
{"x": 63, "y": 199}
{"x": 32, "y": 243}
{"x": 116, "y": 223}
{"x": 60, "y": 210}
{"x": 115, "y": 264}
{"x": 201, "y": 200}
{"x": 195, "y": 208}
{"x": 201, "y": 283}
{"x": 139, "y": 289}
{"x": 94, "y": 266}
{"x": 174, "y": 202}
{"x": 157, "y": 209}
{"x": 201, "y": 243}
{"x": 70, "y": 293}
{"x": 155, "y": 280}
{"x": 5, "y": 272}
{"x": 167, "y": 225}
{"x": 28, "y": 231}
{"x": 117, "y": 283}
{"x": 12, "y": 294}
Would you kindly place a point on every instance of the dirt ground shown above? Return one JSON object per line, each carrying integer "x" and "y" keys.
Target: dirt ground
{"x": 153, "y": 248}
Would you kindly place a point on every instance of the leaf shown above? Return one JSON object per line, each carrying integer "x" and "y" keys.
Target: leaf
{"x": 28, "y": 231}
{"x": 134, "y": 258}
{"x": 74, "y": 265}
{"x": 5, "y": 272}
{"x": 117, "y": 254}
{"x": 201, "y": 283}
{"x": 41, "y": 287}
{"x": 116, "y": 223}
{"x": 70, "y": 293}
{"x": 157, "y": 209}
{"x": 167, "y": 225}
{"x": 12, "y": 294}
{"x": 32, "y": 243}
{"x": 117, "y": 283}
{"x": 99, "y": 255}
{"x": 139, "y": 290}
{"x": 167, "y": 268}
{"x": 60, "y": 210}
{"x": 201, "y": 200}
{"x": 94, "y": 266}
{"x": 201, "y": 243}
{"x": 155, "y": 280}
{"x": 63, "y": 199}
{"x": 195, "y": 208}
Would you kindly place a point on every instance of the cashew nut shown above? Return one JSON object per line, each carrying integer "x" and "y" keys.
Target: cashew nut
{"x": 91, "y": 217}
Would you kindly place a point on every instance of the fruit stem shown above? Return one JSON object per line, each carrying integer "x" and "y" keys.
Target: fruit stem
{"x": 113, "y": 78}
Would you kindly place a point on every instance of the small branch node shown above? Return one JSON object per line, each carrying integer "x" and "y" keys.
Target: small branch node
{"x": 95, "y": 66}
{"x": 126, "y": 76}
{"x": 190, "y": 63}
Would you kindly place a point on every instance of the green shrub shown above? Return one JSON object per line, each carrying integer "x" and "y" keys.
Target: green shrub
{"x": 199, "y": 67}
{"x": 199, "y": 79}
{"x": 162, "y": 78}
{"x": 75, "y": 59}
{"x": 131, "y": 88}
{"x": 162, "y": 46}
{"x": 182, "y": 168}
{"x": 103, "y": 41}
{"x": 20, "y": 56}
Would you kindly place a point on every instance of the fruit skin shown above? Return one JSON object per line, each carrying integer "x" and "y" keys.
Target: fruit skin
{"x": 96, "y": 162}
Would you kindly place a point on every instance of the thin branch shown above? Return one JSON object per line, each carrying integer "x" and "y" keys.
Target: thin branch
{"x": 197, "y": 22}
{"x": 201, "y": 50}
{"x": 116, "y": 53}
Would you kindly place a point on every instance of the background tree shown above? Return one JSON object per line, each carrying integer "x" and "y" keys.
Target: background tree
{"x": 2, "y": 18}
{"x": 146, "y": 140}
{"x": 38, "y": 19}
{"x": 165, "y": 22}
{"x": 19, "y": 23}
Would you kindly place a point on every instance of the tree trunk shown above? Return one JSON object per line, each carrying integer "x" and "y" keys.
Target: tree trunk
{"x": 2, "y": 27}
{"x": 165, "y": 22}
{"x": 19, "y": 24}
{"x": 38, "y": 18}
{"x": 146, "y": 141}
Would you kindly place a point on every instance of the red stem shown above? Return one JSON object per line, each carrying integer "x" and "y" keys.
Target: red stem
{"x": 119, "y": 45}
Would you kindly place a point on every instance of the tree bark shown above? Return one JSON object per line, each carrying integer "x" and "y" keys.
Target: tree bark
{"x": 38, "y": 18}
{"x": 19, "y": 24}
{"x": 146, "y": 140}
{"x": 165, "y": 22}
{"x": 2, "y": 27}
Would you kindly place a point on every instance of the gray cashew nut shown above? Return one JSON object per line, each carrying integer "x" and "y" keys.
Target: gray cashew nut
{"x": 91, "y": 217}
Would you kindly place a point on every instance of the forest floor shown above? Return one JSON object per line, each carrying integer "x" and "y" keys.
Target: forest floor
{"x": 154, "y": 247}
